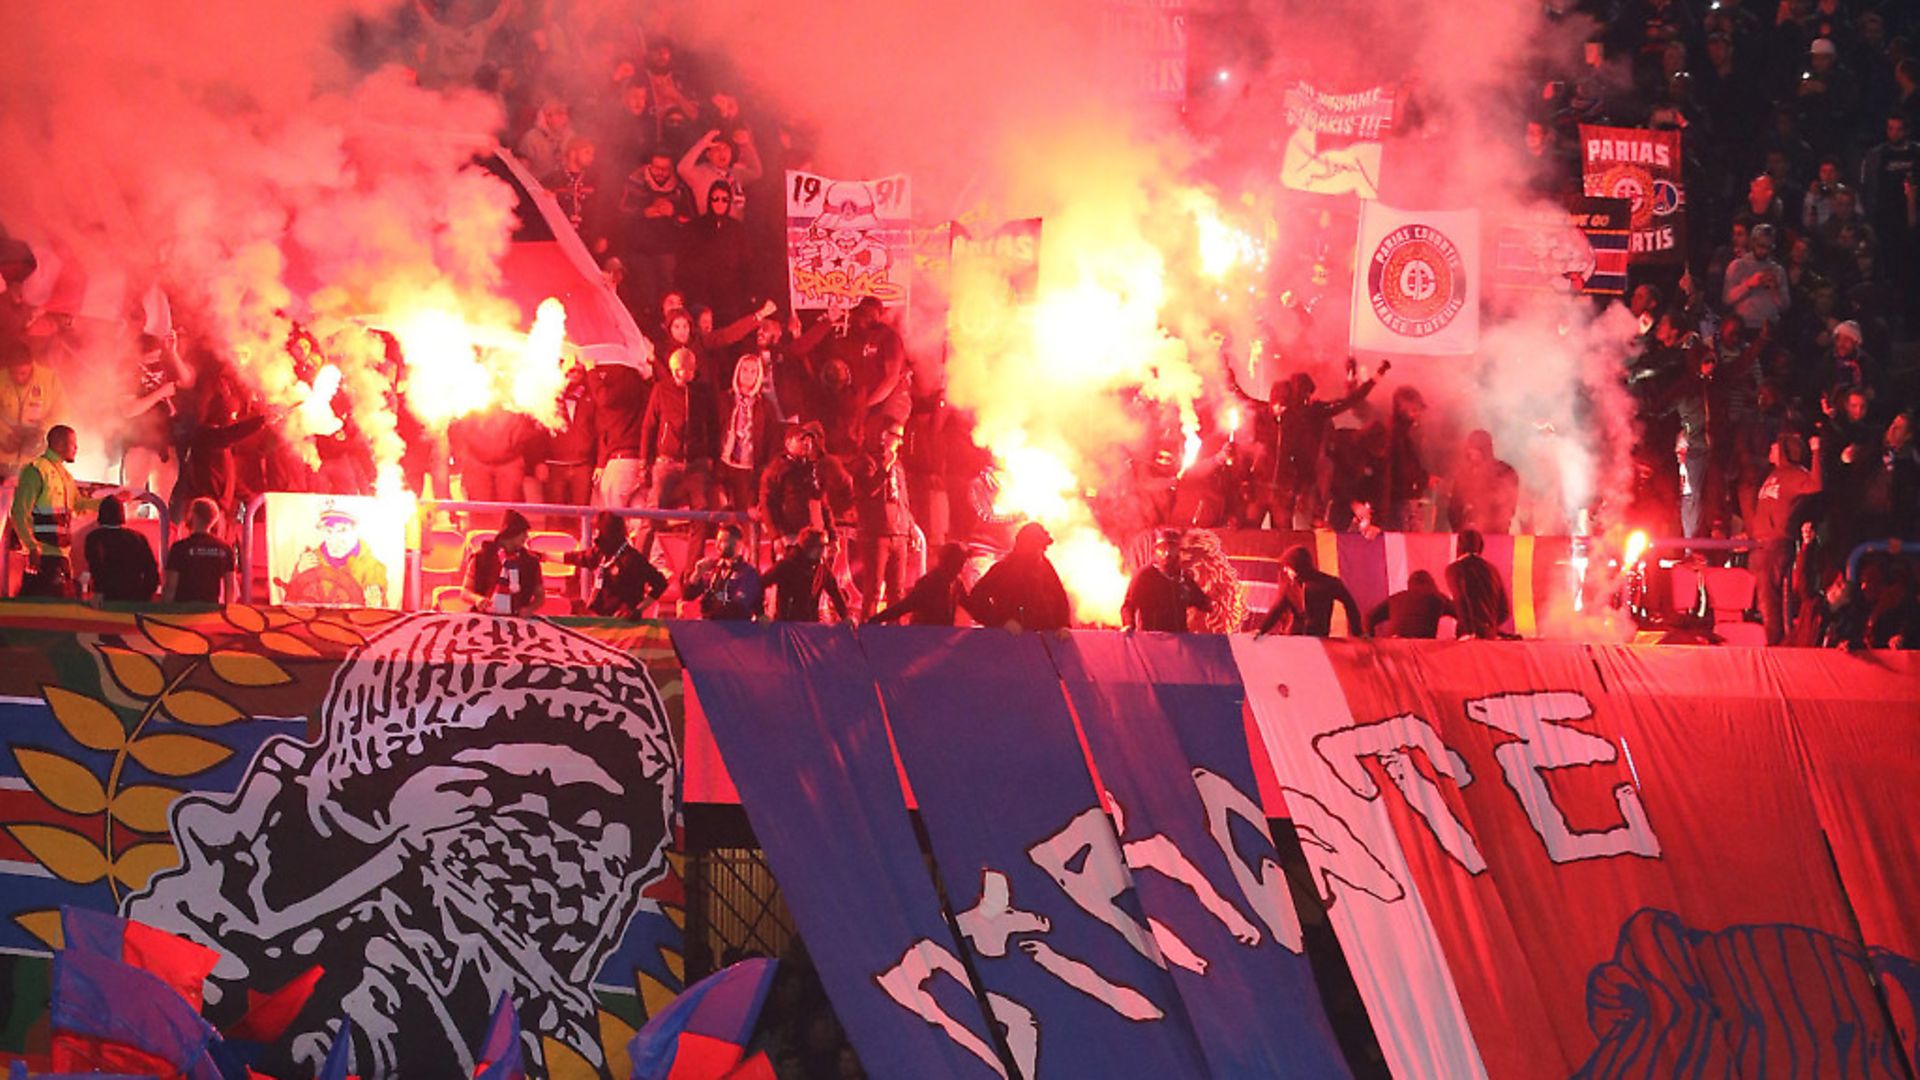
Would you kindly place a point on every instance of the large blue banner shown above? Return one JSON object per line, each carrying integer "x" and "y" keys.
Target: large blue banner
{"x": 1028, "y": 857}
{"x": 1162, "y": 717}
{"x": 794, "y": 713}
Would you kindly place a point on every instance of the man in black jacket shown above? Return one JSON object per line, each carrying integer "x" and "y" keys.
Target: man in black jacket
{"x": 678, "y": 437}
{"x": 1023, "y": 590}
{"x": 1307, "y": 596}
{"x": 886, "y": 520}
{"x": 626, "y": 584}
{"x": 503, "y": 577}
{"x": 1479, "y": 596}
{"x": 802, "y": 577}
{"x": 120, "y": 560}
{"x": 937, "y": 598}
{"x": 1160, "y": 594}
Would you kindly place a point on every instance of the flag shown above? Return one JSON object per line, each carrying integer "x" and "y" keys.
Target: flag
{"x": 1416, "y": 282}
{"x": 704, "y": 1033}
{"x": 500, "y": 1054}
{"x": 1335, "y": 147}
{"x": 108, "y": 1016}
{"x": 181, "y": 964}
{"x": 1644, "y": 168}
{"x": 268, "y": 1015}
{"x": 339, "y": 1062}
{"x": 847, "y": 240}
{"x": 1581, "y": 247}
{"x": 756, "y": 1067}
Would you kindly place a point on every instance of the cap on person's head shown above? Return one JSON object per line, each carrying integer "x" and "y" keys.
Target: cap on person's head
{"x": 111, "y": 512}
{"x": 1471, "y": 542}
{"x": 333, "y": 515}
{"x": 1823, "y": 47}
{"x": 513, "y": 524}
{"x": 1033, "y": 536}
{"x": 608, "y": 523}
{"x": 1849, "y": 329}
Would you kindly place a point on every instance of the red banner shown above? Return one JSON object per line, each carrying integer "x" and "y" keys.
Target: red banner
{"x": 1617, "y": 854}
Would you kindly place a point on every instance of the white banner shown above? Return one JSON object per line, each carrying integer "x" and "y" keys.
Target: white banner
{"x": 846, "y": 240}
{"x": 1416, "y": 281}
{"x": 336, "y": 550}
{"x": 1347, "y": 835}
{"x": 1335, "y": 148}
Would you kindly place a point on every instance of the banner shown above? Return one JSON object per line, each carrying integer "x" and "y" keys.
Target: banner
{"x": 1618, "y": 861}
{"x": 847, "y": 240}
{"x": 1416, "y": 283}
{"x": 1145, "y": 44}
{"x": 1645, "y": 168}
{"x": 1335, "y": 148}
{"x": 1029, "y": 859}
{"x": 992, "y": 279}
{"x": 1857, "y": 717}
{"x": 1162, "y": 717}
{"x": 1579, "y": 249}
{"x": 818, "y": 780}
{"x": 437, "y": 809}
{"x": 335, "y": 550}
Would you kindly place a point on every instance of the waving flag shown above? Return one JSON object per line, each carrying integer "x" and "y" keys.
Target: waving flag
{"x": 704, "y": 1033}
{"x": 180, "y": 964}
{"x": 108, "y": 1016}
{"x": 500, "y": 1055}
{"x": 338, "y": 1065}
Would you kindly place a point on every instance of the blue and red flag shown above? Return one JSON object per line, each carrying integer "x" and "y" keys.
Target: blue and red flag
{"x": 703, "y": 1034}
{"x": 500, "y": 1055}
{"x": 179, "y": 963}
{"x": 108, "y": 1016}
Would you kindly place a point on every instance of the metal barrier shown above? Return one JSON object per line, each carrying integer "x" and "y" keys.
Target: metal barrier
{"x": 1888, "y": 547}
{"x": 585, "y": 514}
{"x": 145, "y": 498}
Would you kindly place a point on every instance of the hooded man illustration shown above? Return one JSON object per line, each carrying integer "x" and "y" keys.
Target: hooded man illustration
{"x": 484, "y": 805}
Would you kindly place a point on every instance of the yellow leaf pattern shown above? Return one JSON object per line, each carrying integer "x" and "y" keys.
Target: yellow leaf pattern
{"x": 66, "y": 784}
{"x": 246, "y": 618}
{"x": 144, "y": 807}
{"x": 175, "y": 639}
{"x": 201, "y": 709}
{"x": 286, "y": 644}
{"x": 334, "y": 632}
{"x": 137, "y": 673}
{"x": 45, "y": 925}
{"x": 71, "y": 856}
{"x": 141, "y": 861}
{"x": 246, "y": 669}
{"x": 92, "y": 724}
{"x": 178, "y": 755}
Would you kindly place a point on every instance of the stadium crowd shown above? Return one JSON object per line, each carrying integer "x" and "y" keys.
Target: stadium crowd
{"x": 1775, "y": 381}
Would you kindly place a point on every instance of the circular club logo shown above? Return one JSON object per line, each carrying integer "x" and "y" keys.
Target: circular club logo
{"x": 1637, "y": 186}
{"x": 1417, "y": 281}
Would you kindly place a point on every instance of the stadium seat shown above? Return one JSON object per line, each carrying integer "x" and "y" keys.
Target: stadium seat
{"x": 442, "y": 551}
{"x": 1730, "y": 591}
{"x": 1685, "y": 585}
{"x": 449, "y": 598}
